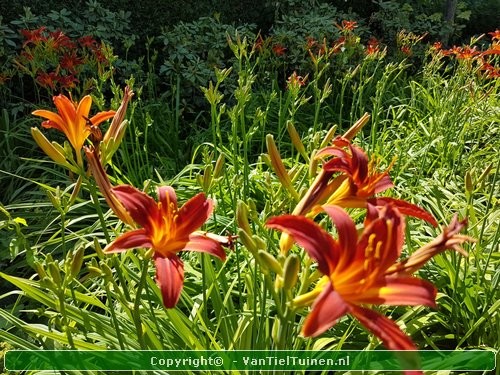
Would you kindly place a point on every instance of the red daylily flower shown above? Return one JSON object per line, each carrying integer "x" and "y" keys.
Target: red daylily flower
{"x": 259, "y": 43}
{"x": 362, "y": 269}
{"x": 47, "y": 80}
{"x": 295, "y": 81}
{"x": 467, "y": 53}
{"x": 493, "y": 50}
{"x": 68, "y": 82}
{"x": 360, "y": 182}
{"x": 70, "y": 61}
{"x": 437, "y": 46}
{"x": 355, "y": 187}
{"x": 373, "y": 46}
{"x": 167, "y": 229}
{"x": 72, "y": 119}
{"x": 88, "y": 41}
{"x": 310, "y": 42}
{"x": 279, "y": 49}
{"x": 34, "y": 36}
{"x": 59, "y": 39}
{"x": 347, "y": 25}
{"x": 406, "y": 50}
{"x": 495, "y": 35}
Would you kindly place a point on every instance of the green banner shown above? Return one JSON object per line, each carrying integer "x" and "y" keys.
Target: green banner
{"x": 263, "y": 360}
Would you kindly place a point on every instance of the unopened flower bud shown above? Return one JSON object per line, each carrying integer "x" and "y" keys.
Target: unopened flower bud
{"x": 39, "y": 269}
{"x": 247, "y": 241}
{"x": 50, "y": 149}
{"x": 76, "y": 262}
{"x": 207, "y": 177}
{"x": 242, "y": 217}
{"x": 275, "y": 333}
{"x": 261, "y": 244}
{"x": 358, "y": 125}
{"x": 279, "y": 167}
{"x": 328, "y": 137}
{"x": 296, "y": 141}
{"x": 219, "y": 164}
{"x": 55, "y": 273}
{"x": 266, "y": 260}
{"x": 291, "y": 271}
{"x": 468, "y": 182}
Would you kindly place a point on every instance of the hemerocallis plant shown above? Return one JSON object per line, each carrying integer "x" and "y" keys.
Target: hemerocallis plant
{"x": 350, "y": 180}
{"x": 73, "y": 120}
{"x": 167, "y": 230}
{"x": 361, "y": 270}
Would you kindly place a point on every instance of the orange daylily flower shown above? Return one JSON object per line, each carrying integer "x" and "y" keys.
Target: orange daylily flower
{"x": 495, "y": 35}
{"x": 359, "y": 181}
{"x": 295, "y": 81}
{"x": 73, "y": 119}
{"x": 361, "y": 269}
{"x": 347, "y": 25}
{"x": 167, "y": 229}
{"x": 279, "y": 49}
{"x": 355, "y": 187}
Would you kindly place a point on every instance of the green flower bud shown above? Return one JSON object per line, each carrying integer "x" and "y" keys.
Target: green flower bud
{"x": 266, "y": 260}
{"x": 291, "y": 271}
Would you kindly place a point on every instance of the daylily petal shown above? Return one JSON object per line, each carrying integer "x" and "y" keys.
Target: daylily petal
{"x": 129, "y": 240}
{"x": 384, "y": 328}
{"x": 84, "y": 108}
{"x": 202, "y": 243}
{"x": 55, "y": 121}
{"x": 170, "y": 279}
{"x": 383, "y": 183}
{"x": 448, "y": 239}
{"x": 104, "y": 185}
{"x": 406, "y": 208}
{"x": 348, "y": 236}
{"x": 315, "y": 240}
{"x": 101, "y": 117}
{"x": 143, "y": 209}
{"x": 359, "y": 164}
{"x": 410, "y": 291}
{"x": 194, "y": 213}
{"x": 168, "y": 199}
{"x": 66, "y": 109}
{"x": 382, "y": 240}
{"x": 326, "y": 310}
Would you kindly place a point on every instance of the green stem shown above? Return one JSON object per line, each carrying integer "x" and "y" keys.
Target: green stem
{"x": 113, "y": 316}
{"x": 136, "y": 311}
{"x": 95, "y": 200}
